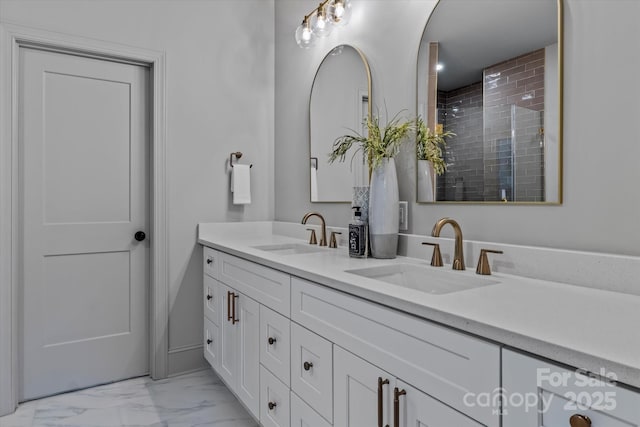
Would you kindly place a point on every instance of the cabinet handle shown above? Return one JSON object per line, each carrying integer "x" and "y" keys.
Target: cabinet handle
{"x": 578, "y": 420}
{"x": 229, "y": 306}
{"x": 272, "y": 340}
{"x": 209, "y": 341}
{"x": 209, "y": 260}
{"x": 272, "y": 405}
{"x": 396, "y": 405}
{"x": 209, "y": 297}
{"x": 307, "y": 366}
{"x": 381, "y": 382}
{"x": 233, "y": 318}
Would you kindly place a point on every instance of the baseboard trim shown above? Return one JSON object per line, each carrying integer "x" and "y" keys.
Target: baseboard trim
{"x": 186, "y": 359}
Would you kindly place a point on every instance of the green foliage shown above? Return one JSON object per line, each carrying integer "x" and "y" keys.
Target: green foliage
{"x": 379, "y": 143}
{"x": 430, "y": 145}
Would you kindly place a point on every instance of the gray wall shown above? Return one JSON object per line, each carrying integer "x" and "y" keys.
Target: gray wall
{"x": 220, "y": 94}
{"x": 601, "y": 196}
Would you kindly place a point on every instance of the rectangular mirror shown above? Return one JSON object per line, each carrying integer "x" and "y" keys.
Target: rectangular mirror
{"x": 490, "y": 71}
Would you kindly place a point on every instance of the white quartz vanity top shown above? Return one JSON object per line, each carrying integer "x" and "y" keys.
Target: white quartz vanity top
{"x": 591, "y": 329}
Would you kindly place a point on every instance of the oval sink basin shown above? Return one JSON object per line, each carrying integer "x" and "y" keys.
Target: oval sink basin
{"x": 289, "y": 248}
{"x": 424, "y": 278}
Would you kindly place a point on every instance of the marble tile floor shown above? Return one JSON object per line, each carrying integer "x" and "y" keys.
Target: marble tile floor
{"x": 193, "y": 400}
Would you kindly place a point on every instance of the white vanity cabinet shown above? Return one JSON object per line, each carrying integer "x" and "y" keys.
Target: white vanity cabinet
{"x": 301, "y": 354}
{"x": 538, "y": 393}
{"x": 438, "y": 361}
{"x": 232, "y": 323}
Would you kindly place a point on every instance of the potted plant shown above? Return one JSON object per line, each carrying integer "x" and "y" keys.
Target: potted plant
{"x": 429, "y": 152}
{"x": 380, "y": 145}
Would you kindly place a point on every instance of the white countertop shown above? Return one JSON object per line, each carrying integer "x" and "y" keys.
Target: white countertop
{"x": 591, "y": 329}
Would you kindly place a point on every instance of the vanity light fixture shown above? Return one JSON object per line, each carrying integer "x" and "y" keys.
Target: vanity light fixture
{"x": 321, "y": 20}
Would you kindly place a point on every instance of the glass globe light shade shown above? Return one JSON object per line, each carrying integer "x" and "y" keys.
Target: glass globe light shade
{"x": 304, "y": 35}
{"x": 340, "y": 11}
{"x": 321, "y": 25}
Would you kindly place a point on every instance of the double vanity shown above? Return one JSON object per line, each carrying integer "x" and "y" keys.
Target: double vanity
{"x": 306, "y": 336}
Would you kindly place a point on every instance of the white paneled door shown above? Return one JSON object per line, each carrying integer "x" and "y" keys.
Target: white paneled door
{"x": 84, "y": 153}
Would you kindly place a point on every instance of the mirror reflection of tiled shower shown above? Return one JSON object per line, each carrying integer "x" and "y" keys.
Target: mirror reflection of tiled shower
{"x": 498, "y": 151}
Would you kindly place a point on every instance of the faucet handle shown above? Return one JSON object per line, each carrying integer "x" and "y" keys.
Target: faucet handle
{"x": 436, "y": 258}
{"x": 333, "y": 243}
{"x": 313, "y": 240}
{"x": 483, "y": 262}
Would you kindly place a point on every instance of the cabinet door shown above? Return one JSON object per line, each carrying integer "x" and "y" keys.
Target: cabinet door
{"x": 275, "y": 344}
{"x": 417, "y": 409}
{"x": 247, "y": 326}
{"x": 357, "y": 393}
{"x": 274, "y": 401}
{"x": 302, "y": 415}
{"x": 312, "y": 370}
{"x": 540, "y": 394}
{"x": 210, "y": 297}
{"x": 211, "y": 260}
{"x": 228, "y": 338}
{"x": 211, "y": 344}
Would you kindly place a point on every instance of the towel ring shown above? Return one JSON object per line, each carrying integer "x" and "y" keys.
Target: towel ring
{"x": 238, "y": 155}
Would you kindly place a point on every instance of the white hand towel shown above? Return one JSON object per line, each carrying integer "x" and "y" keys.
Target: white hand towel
{"x": 241, "y": 184}
{"x": 314, "y": 184}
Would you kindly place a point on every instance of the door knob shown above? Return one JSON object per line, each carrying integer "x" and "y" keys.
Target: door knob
{"x": 272, "y": 340}
{"x": 307, "y": 366}
{"x": 272, "y": 405}
{"x": 140, "y": 236}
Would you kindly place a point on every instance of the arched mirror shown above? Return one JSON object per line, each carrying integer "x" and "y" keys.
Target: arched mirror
{"x": 339, "y": 103}
{"x": 490, "y": 71}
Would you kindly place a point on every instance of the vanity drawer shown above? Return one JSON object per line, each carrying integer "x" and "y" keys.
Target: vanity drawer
{"x": 275, "y": 344}
{"x": 554, "y": 394}
{"x": 274, "y": 400}
{"x": 211, "y": 262}
{"x": 302, "y": 415}
{"x": 312, "y": 370}
{"x": 441, "y": 362}
{"x": 211, "y": 343}
{"x": 211, "y": 298}
{"x": 271, "y": 287}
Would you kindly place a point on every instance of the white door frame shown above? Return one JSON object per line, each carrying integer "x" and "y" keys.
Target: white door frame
{"x": 12, "y": 37}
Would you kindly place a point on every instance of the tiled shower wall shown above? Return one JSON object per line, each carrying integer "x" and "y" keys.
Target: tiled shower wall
{"x": 460, "y": 110}
{"x": 514, "y": 100}
{"x": 482, "y": 156}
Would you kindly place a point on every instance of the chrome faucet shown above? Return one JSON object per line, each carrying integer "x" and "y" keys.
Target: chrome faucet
{"x": 323, "y": 237}
{"x": 458, "y": 257}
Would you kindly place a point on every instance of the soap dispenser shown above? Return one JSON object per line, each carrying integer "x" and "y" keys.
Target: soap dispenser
{"x": 357, "y": 235}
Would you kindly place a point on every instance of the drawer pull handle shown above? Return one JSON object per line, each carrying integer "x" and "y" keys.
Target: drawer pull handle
{"x": 307, "y": 366}
{"x": 272, "y": 405}
{"x": 381, "y": 382}
{"x": 578, "y": 420}
{"x": 272, "y": 340}
{"x": 233, "y": 317}
{"x": 209, "y": 260}
{"x": 209, "y": 297}
{"x": 209, "y": 341}
{"x": 396, "y": 405}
